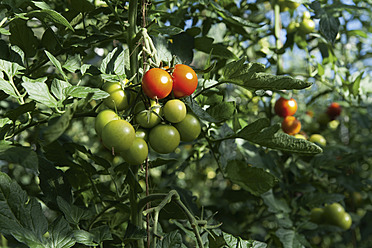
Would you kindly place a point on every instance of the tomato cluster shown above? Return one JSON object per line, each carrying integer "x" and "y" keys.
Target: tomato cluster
{"x": 160, "y": 125}
{"x": 287, "y": 108}
{"x": 333, "y": 214}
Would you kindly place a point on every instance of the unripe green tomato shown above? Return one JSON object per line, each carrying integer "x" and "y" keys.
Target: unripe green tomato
{"x": 292, "y": 27}
{"x": 118, "y": 98}
{"x": 148, "y": 118}
{"x": 174, "y": 110}
{"x": 345, "y": 222}
{"x": 333, "y": 213}
{"x": 317, "y": 215}
{"x": 103, "y": 118}
{"x": 143, "y": 134}
{"x": 306, "y": 15}
{"x": 307, "y": 26}
{"x": 118, "y": 135}
{"x": 189, "y": 128}
{"x": 164, "y": 138}
{"x": 323, "y": 119}
{"x": 318, "y": 139}
{"x": 137, "y": 153}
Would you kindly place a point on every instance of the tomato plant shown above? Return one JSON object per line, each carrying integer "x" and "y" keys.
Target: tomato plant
{"x": 185, "y": 81}
{"x": 285, "y": 107}
{"x": 164, "y": 138}
{"x": 174, "y": 111}
{"x": 157, "y": 83}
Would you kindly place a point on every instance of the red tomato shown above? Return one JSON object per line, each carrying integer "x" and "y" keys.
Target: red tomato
{"x": 334, "y": 110}
{"x": 157, "y": 83}
{"x": 185, "y": 81}
{"x": 284, "y": 107}
{"x": 291, "y": 125}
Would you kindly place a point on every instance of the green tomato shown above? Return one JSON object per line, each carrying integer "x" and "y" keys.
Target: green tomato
{"x": 103, "y": 118}
{"x": 334, "y": 213}
{"x": 174, "y": 111}
{"x": 189, "y": 128}
{"x": 307, "y": 26}
{"x": 292, "y": 27}
{"x": 317, "y": 215}
{"x": 147, "y": 118}
{"x": 118, "y": 99}
{"x": 164, "y": 138}
{"x": 142, "y": 133}
{"x": 118, "y": 135}
{"x": 318, "y": 139}
{"x": 137, "y": 153}
{"x": 345, "y": 222}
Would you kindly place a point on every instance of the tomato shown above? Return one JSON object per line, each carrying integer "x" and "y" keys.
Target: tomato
{"x": 118, "y": 135}
{"x": 286, "y": 5}
{"x": 333, "y": 213}
{"x": 334, "y": 110}
{"x": 307, "y": 26}
{"x": 345, "y": 222}
{"x": 142, "y": 133}
{"x": 317, "y": 215}
{"x": 118, "y": 99}
{"x": 185, "y": 81}
{"x": 174, "y": 111}
{"x": 103, "y": 118}
{"x": 157, "y": 83}
{"x": 137, "y": 153}
{"x": 284, "y": 107}
{"x": 318, "y": 139}
{"x": 164, "y": 138}
{"x": 292, "y": 27}
{"x": 147, "y": 118}
{"x": 291, "y": 125}
{"x": 189, "y": 128}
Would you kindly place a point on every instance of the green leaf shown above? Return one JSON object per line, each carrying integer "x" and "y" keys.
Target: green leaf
{"x": 60, "y": 235}
{"x": 41, "y": 5}
{"x": 165, "y": 30}
{"x": 73, "y": 214}
{"x": 73, "y": 63}
{"x": 101, "y": 234}
{"x": 172, "y": 239}
{"x": 84, "y": 237}
{"x": 57, "y": 64}
{"x": 233, "y": 242}
{"x": 320, "y": 199}
{"x": 114, "y": 64}
{"x": 20, "y": 216}
{"x": 199, "y": 111}
{"x": 205, "y": 44}
{"x": 82, "y": 5}
{"x": 356, "y": 85}
{"x": 83, "y": 92}
{"x": 7, "y": 88}
{"x": 58, "y": 88}
{"x": 253, "y": 128}
{"x": 23, "y": 156}
{"x": 23, "y": 36}
{"x": 11, "y": 69}
{"x": 39, "y": 92}
{"x": 222, "y": 111}
{"x": 13, "y": 114}
{"x": 252, "y": 179}
{"x": 58, "y": 125}
{"x": 288, "y": 238}
{"x": 46, "y": 15}
{"x": 329, "y": 26}
{"x": 4, "y": 31}
{"x": 275, "y": 205}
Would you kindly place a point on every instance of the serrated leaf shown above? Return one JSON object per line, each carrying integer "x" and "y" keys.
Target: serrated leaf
{"x": 255, "y": 180}
{"x": 58, "y": 125}
{"x": 73, "y": 214}
{"x": 84, "y": 237}
{"x": 253, "y": 128}
{"x": 289, "y": 238}
{"x": 233, "y": 242}
{"x": 267, "y": 81}
{"x": 60, "y": 235}
{"x": 83, "y": 92}
{"x": 46, "y": 15}
{"x": 39, "y": 92}
{"x": 11, "y": 69}
{"x": 57, "y": 64}
{"x": 275, "y": 205}
{"x": 101, "y": 234}
{"x": 20, "y": 216}
{"x": 329, "y": 26}
{"x": 222, "y": 111}
{"x": 199, "y": 111}
{"x": 73, "y": 63}
{"x": 172, "y": 239}
{"x": 7, "y": 88}
{"x": 23, "y": 156}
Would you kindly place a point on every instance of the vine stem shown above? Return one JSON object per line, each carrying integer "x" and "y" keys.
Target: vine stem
{"x": 132, "y": 32}
{"x": 277, "y": 30}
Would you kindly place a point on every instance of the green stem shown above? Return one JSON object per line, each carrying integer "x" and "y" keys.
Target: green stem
{"x": 132, "y": 31}
{"x": 277, "y": 29}
{"x": 133, "y": 199}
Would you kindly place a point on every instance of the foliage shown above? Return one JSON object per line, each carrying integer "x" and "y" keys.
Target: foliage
{"x": 243, "y": 182}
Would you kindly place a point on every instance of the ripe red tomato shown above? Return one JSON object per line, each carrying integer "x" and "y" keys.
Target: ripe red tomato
{"x": 164, "y": 138}
{"x": 137, "y": 153}
{"x": 174, "y": 110}
{"x": 157, "y": 83}
{"x": 334, "y": 110}
{"x": 291, "y": 125}
{"x": 284, "y": 107}
{"x": 103, "y": 118}
{"x": 189, "y": 128}
{"x": 185, "y": 81}
{"x": 118, "y": 135}
{"x": 118, "y": 99}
